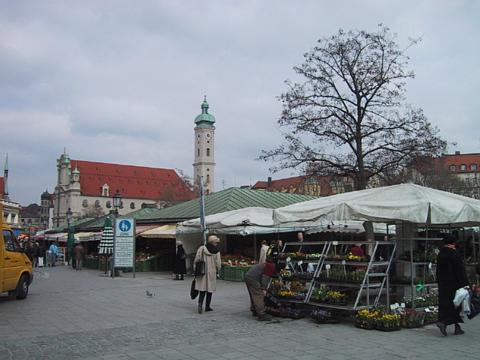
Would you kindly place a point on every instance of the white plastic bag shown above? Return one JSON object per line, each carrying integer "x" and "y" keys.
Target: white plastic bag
{"x": 460, "y": 295}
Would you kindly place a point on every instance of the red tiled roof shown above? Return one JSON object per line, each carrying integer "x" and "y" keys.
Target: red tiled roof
{"x": 461, "y": 159}
{"x": 295, "y": 182}
{"x": 2, "y": 188}
{"x": 135, "y": 182}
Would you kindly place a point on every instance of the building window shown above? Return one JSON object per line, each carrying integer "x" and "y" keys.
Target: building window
{"x": 208, "y": 135}
{"x": 108, "y": 204}
{"x": 473, "y": 167}
{"x": 132, "y": 205}
{"x": 463, "y": 167}
{"x": 453, "y": 168}
{"x": 97, "y": 203}
{"x": 198, "y": 151}
{"x": 208, "y": 151}
{"x": 85, "y": 203}
{"x": 208, "y": 178}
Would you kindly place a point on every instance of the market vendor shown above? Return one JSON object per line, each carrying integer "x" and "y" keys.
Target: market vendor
{"x": 256, "y": 280}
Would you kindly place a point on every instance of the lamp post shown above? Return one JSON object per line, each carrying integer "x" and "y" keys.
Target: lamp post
{"x": 70, "y": 237}
{"x": 117, "y": 203}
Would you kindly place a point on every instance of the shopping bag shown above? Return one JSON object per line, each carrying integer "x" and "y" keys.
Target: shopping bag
{"x": 40, "y": 262}
{"x": 193, "y": 291}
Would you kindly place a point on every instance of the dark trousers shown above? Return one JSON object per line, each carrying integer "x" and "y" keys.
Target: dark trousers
{"x": 202, "y": 296}
{"x": 257, "y": 301}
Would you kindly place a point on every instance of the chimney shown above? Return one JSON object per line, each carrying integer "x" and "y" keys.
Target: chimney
{"x": 269, "y": 181}
{"x": 457, "y": 152}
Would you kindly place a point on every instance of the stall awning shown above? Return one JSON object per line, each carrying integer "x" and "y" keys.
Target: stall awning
{"x": 139, "y": 229}
{"x": 89, "y": 236}
{"x": 162, "y": 232}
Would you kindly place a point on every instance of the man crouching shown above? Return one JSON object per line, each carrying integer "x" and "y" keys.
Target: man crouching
{"x": 256, "y": 280}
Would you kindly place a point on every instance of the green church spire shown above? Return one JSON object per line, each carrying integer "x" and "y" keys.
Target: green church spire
{"x": 205, "y": 118}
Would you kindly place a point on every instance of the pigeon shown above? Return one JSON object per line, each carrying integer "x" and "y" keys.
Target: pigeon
{"x": 148, "y": 293}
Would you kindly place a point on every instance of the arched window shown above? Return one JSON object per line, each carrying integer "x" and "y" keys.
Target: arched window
{"x": 198, "y": 151}
{"x": 85, "y": 203}
{"x": 97, "y": 203}
{"x": 208, "y": 178}
{"x": 473, "y": 167}
{"x": 452, "y": 168}
{"x": 132, "y": 205}
{"x": 463, "y": 167}
{"x": 208, "y": 151}
{"x": 108, "y": 204}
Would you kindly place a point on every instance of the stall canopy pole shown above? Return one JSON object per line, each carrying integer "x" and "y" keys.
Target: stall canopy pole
{"x": 202, "y": 212}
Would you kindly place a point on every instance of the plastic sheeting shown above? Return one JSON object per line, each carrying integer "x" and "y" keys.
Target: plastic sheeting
{"x": 404, "y": 202}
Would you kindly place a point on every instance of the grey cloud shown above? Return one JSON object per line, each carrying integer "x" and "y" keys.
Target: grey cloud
{"x": 121, "y": 81}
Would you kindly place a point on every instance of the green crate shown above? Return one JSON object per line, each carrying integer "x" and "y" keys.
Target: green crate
{"x": 233, "y": 273}
{"x": 221, "y": 273}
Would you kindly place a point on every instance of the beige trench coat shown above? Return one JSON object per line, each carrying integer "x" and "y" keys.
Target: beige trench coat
{"x": 213, "y": 263}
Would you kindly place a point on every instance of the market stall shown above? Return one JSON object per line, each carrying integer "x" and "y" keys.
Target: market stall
{"x": 419, "y": 213}
{"x": 240, "y": 231}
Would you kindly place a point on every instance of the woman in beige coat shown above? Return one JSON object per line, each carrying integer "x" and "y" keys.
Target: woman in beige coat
{"x": 206, "y": 284}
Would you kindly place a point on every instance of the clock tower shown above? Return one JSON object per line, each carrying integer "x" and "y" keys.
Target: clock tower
{"x": 204, "y": 157}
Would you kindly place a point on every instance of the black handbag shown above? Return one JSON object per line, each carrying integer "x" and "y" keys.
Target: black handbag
{"x": 193, "y": 291}
{"x": 474, "y": 306}
{"x": 200, "y": 267}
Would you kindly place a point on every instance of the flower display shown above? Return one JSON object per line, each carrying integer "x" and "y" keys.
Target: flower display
{"x": 237, "y": 260}
{"x": 377, "y": 319}
{"x": 327, "y": 296}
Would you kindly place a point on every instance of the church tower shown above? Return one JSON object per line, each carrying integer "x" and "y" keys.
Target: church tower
{"x": 204, "y": 164}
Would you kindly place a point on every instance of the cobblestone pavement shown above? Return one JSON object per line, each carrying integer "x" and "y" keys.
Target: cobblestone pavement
{"x": 83, "y": 315}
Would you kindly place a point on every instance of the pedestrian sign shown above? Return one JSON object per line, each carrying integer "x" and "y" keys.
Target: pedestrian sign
{"x": 124, "y": 245}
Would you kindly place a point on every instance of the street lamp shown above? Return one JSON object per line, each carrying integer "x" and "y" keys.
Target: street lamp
{"x": 117, "y": 203}
{"x": 69, "y": 217}
{"x": 70, "y": 237}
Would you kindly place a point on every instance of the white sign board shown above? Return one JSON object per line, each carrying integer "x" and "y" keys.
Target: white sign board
{"x": 124, "y": 248}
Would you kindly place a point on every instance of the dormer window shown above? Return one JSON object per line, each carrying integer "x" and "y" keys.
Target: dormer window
{"x": 105, "y": 190}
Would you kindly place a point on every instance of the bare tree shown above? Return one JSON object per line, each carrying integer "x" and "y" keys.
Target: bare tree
{"x": 348, "y": 114}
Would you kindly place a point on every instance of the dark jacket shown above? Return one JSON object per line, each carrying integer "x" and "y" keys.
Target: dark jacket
{"x": 451, "y": 276}
{"x": 180, "y": 267}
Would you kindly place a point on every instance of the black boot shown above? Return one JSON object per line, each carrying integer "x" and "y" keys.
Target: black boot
{"x": 209, "y": 300}
{"x": 201, "y": 296}
{"x": 458, "y": 330}
{"x": 442, "y": 327}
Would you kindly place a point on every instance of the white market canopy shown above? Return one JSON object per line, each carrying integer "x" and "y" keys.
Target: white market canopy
{"x": 246, "y": 221}
{"x": 163, "y": 232}
{"x": 404, "y": 202}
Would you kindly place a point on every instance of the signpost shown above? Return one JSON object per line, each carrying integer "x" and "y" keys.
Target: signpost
{"x": 124, "y": 244}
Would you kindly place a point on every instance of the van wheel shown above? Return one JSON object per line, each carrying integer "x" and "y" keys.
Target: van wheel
{"x": 22, "y": 288}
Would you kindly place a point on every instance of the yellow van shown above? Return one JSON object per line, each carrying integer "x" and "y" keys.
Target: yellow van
{"x": 15, "y": 267}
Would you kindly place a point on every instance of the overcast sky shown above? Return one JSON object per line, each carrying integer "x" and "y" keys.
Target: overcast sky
{"x": 122, "y": 81}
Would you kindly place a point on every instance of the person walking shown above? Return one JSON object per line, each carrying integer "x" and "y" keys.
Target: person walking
{"x": 451, "y": 276}
{"x": 180, "y": 267}
{"x": 263, "y": 252}
{"x": 78, "y": 252}
{"x": 256, "y": 281}
{"x": 206, "y": 284}
{"x": 53, "y": 253}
